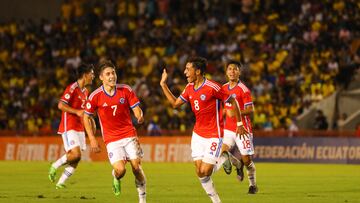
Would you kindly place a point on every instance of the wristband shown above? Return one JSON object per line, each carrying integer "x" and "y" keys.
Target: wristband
{"x": 239, "y": 124}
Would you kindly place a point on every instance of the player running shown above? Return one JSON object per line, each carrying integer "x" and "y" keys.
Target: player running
{"x": 205, "y": 98}
{"x": 72, "y": 104}
{"x": 244, "y": 143}
{"x": 113, "y": 103}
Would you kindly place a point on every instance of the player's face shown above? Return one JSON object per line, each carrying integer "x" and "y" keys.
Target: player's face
{"x": 190, "y": 72}
{"x": 108, "y": 76}
{"x": 233, "y": 72}
{"x": 89, "y": 77}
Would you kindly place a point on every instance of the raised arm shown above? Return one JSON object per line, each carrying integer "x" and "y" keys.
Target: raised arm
{"x": 175, "y": 102}
{"x": 90, "y": 127}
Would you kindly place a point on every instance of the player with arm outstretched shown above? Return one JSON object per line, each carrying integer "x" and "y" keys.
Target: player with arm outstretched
{"x": 72, "y": 104}
{"x": 242, "y": 94}
{"x": 205, "y": 97}
{"x": 113, "y": 102}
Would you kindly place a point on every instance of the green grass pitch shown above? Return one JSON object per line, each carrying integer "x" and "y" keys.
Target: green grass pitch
{"x": 177, "y": 183}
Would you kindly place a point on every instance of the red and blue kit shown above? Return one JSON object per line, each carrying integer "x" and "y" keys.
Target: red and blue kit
{"x": 242, "y": 95}
{"x": 206, "y": 103}
{"x": 113, "y": 112}
{"x": 75, "y": 98}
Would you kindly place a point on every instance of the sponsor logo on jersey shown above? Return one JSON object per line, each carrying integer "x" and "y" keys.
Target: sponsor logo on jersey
{"x": 122, "y": 100}
{"x": 233, "y": 95}
{"x": 202, "y": 97}
{"x": 105, "y": 104}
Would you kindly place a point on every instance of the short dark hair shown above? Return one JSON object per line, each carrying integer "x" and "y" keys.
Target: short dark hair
{"x": 199, "y": 63}
{"x": 104, "y": 65}
{"x": 84, "y": 69}
{"x": 233, "y": 62}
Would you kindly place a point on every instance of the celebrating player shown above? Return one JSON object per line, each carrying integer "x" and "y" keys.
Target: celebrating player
{"x": 242, "y": 94}
{"x": 205, "y": 98}
{"x": 113, "y": 102}
{"x": 72, "y": 104}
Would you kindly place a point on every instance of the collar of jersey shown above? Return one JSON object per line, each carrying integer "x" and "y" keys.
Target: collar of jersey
{"x": 102, "y": 86}
{"x": 83, "y": 89}
{"x": 200, "y": 85}
{"x": 234, "y": 86}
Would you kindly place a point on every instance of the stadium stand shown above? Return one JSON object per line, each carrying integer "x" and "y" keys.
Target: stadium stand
{"x": 297, "y": 53}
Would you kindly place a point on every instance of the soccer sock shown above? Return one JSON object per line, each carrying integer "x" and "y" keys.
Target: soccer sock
{"x": 61, "y": 161}
{"x": 209, "y": 188}
{"x": 141, "y": 187}
{"x": 68, "y": 171}
{"x": 251, "y": 172}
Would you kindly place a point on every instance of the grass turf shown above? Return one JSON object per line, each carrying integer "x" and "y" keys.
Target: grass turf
{"x": 177, "y": 183}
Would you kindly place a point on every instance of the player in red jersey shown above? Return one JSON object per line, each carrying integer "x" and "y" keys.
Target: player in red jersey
{"x": 113, "y": 103}
{"x": 244, "y": 143}
{"x": 72, "y": 104}
{"x": 205, "y": 98}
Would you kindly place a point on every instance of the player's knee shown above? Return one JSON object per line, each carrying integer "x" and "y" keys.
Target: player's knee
{"x": 119, "y": 172}
{"x": 247, "y": 160}
{"x": 204, "y": 172}
{"x": 74, "y": 156}
{"x": 136, "y": 169}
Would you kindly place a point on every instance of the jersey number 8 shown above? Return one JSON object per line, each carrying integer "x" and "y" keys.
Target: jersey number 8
{"x": 196, "y": 105}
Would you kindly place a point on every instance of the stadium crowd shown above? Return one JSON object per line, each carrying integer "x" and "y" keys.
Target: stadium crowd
{"x": 295, "y": 53}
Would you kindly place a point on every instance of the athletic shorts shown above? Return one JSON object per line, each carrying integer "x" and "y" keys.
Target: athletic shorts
{"x": 124, "y": 149}
{"x": 72, "y": 139}
{"x": 245, "y": 146}
{"x": 205, "y": 149}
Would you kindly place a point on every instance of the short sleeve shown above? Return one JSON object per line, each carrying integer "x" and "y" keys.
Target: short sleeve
{"x": 185, "y": 95}
{"x": 132, "y": 98}
{"x": 221, "y": 94}
{"x": 91, "y": 105}
{"x": 247, "y": 99}
{"x": 67, "y": 95}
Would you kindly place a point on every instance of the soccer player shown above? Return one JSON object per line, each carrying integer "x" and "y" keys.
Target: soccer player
{"x": 205, "y": 98}
{"x": 113, "y": 102}
{"x": 72, "y": 104}
{"x": 244, "y": 143}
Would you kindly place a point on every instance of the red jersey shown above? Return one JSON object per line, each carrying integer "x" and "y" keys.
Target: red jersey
{"x": 206, "y": 103}
{"x": 75, "y": 98}
{"x": 113, "y": 112}
{"x": 243, "y": 96}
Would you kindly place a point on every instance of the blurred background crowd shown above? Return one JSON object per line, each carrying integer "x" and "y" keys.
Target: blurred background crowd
{"x": 295, "y": 53}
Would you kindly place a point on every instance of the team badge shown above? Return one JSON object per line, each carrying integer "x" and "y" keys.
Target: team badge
{"x": 122, "y": 100}
{"x": 88, "y": 105}
{"x": 111, "y": 155}
{"x": 72, "y": 142}
{"x": 203, "y": 97}
{"x": 233, "y": 95}
{"x": 67, "y": 96}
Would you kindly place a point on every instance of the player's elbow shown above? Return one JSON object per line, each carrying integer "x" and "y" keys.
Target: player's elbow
{"x": 60, "y": 106}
